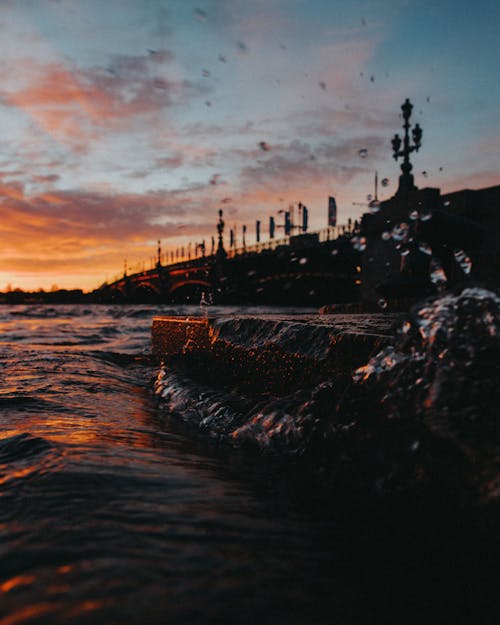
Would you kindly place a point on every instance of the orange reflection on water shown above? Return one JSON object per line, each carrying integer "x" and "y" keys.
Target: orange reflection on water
{"x": 29, "y": 612}
{"x": 85, "y": 606}
{"x": 14, "y": 475}
{"x": 14, "y": 582}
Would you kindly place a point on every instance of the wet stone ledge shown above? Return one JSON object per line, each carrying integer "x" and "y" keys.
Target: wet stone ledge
{"x": 275, "y": 353}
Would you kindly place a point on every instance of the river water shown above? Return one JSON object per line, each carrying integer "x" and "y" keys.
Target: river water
{"x": 112, "y": 512}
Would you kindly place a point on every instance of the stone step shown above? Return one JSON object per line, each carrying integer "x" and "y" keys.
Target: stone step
{"x": 272, "y": 352}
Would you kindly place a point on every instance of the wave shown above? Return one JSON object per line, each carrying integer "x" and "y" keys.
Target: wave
{"x": 21, "y": 447}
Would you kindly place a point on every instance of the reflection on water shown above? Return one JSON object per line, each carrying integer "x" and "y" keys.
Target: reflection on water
{"x": 111, "y": 513}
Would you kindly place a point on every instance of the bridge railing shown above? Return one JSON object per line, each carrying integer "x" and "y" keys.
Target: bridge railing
{"x": 326, "y": 234}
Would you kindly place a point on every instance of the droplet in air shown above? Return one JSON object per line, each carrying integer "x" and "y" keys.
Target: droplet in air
{"x": 322, "y": 84}
{"x": 242, "y": 46}
{"x": 303, "y": 261}
{"x": 222, "y": 58}
{"x": 382, "y": 303}
{"x": 386, "y": 235}
{"x": 400, "y": 231}
{"x": 385, "y": 182}
{"x": 425, "y": 248}
{"x": 437, "y": 274}
{"x": 359, "y": 243}
{"x": 205, "y": 73}
{"x": 369, "y": 197}
{"x": 200, "y": 15}
{"x": 425, "y": 214}
{"x": 208, "y": 103}
{"x": 264, "y": 146}
{"x": 424, "y": 174}
{"x": 414, "y": 215}
{"x": 363, "y": 152}
{"x": 463, "y": 261}
{"x": 334, "y": 252}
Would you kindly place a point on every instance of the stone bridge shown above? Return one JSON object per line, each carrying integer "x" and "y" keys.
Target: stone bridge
{"x": 308, "y": 269}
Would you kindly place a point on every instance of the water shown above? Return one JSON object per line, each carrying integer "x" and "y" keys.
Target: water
{"x": 111, "y": 511}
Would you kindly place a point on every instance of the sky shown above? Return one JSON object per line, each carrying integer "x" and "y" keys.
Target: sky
{"x": 128, "y": 121}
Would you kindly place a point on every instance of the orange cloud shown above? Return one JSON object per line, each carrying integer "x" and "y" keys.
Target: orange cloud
{"x": 72, "y": 104}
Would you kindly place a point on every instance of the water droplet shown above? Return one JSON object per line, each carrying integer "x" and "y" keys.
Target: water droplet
{"x": 425, "y": 214}
{"x": 437, "y": 274}
{"x": 374, "y": 206}
{"x": 200, "y": 15}
{"x": 205, "y": 73}
{"x": 264, "y": 146}
{"x": 424, "y": 174}
{"x": 405, "y": 251}
{"x": 334, "y": 252}
{"x": 400, "y": 231}
{"x": 369, "y": 197}
{"x": 386, "y": 235}
{"x": 382, "y": 303}
{"x": 414, "y": 215}
{"x": 464, "y": 261}
{"x": 359, "y": 243}
{"x": 322, "y": 84}
{"x": 363, "y": 152}
{"x": 425, "y": 248}
{"x": 303, "y": 261}
{"x": 385, "y": 182}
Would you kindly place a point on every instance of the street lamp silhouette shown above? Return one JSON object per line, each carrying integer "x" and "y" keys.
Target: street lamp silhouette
{"x": 406, "y": 182}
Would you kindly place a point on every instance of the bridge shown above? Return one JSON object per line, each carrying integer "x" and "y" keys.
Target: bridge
{"x": 308, "y": 269}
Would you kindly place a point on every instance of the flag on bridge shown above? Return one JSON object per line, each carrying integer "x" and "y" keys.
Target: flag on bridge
{"x": 332, "y": 211}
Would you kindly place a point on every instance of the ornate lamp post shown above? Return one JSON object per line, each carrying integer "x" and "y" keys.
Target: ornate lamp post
{"x": 406, "y": 179}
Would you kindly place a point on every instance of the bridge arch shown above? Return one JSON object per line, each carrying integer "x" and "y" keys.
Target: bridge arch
{"x": 188, "y": 290}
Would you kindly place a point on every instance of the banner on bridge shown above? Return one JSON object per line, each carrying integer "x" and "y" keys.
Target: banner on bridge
{"x": 332, "y": 211}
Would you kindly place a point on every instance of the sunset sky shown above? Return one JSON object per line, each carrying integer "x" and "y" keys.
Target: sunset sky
{"x": 127, "y": 121}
